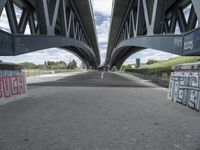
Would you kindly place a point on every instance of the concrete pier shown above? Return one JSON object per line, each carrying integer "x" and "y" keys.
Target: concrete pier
{"x": 184, "y": 86}
{"x": 12, "y": 83}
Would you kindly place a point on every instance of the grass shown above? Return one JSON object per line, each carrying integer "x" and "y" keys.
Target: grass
{"x": 34, "y": 72}
{"x": 164, "y": 66}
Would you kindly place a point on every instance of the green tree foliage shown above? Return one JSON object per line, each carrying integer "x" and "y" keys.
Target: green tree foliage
{"x": 51, "y": 65}
{"x": 28, "y": 65}
{"x": 72, "y": 64}
{"x": 165, "y": 66}
{"x": 151, "y": 61}
{"x": 126, "y": 67}
{"x": 55, "y": 65}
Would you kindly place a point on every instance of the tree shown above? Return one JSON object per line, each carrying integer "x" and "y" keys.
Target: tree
{"x": 72, "y": 64}
{"x": 125, "y": 67}
{"x": 151, "y": 61}
{"x": 28, "y": 65}
{"x": 129, "y": 66}
{"x": 45, "y": 64}
{"x": 82, "y": 66}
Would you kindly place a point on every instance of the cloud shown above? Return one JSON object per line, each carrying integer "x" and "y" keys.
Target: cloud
{"x": 147, "y": 54}
{"x": 102, "y": 12}
{"x": 4, "y": 25}
{"x": 103, "y": 6}
{"x": 39, "y": 57}
{"x": 102, "y": 31}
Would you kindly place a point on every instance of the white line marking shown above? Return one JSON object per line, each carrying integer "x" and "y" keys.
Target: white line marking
{"x": 102, "y": 75}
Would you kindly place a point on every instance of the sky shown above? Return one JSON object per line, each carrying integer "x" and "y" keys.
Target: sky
{"x": 102, "y": 14}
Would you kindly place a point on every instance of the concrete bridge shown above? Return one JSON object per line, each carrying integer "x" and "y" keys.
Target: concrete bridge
{"x": 65, "y": 24}
{"x": 167, "y": 25}
{"x": 97, "y": 110}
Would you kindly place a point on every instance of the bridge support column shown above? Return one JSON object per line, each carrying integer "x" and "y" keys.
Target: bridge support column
{"x": 184, "y": 86}
{"x": 12, "y": 83}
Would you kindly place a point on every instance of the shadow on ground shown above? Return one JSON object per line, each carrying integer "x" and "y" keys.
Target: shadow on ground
{"x": 93, "y": 79}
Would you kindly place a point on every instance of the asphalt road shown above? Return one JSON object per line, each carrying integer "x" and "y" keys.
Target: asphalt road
{"x": 97, "y": 111}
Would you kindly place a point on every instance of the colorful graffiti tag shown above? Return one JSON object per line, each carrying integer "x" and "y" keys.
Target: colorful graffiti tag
{"x": 184, "y": 88}
{"x": 12, "y": 86}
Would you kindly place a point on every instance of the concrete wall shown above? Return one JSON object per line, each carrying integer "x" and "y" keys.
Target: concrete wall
{"x": 184, "y": 88}
{"x": 12, "y": 85}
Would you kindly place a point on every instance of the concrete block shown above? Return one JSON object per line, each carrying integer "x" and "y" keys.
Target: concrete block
{"x": 184, "y": 86}
{"x": 12, "y": 83}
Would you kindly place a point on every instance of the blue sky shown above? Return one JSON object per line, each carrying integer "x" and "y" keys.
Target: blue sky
{"x": 102, "y": 14}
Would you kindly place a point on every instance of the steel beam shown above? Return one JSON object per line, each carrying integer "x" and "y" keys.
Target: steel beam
{"x": 2, "y": 5}
{"x": 140, "y": 19}
{"x": 196, "y": 5}
{"x": 192, "y": 20}
{"x": 182, "y": 21}
{"x": 154, "y": 15}
{"x": 158, "y": 16}
{"x": 11, "y": 17}
{"x": 20, "y": 44}
{"x": 6, "y": 44}
{"x": 47, "y": 15}
{"x": 23, "y": 21}
{"x": 168, "y": 43}
{"x": 32, "y": 24}
{"x": 63, "y": 19}
{"x": 173, "y": 22}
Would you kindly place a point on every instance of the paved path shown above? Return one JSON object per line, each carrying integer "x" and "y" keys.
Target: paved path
{"x": 91, "y": 112}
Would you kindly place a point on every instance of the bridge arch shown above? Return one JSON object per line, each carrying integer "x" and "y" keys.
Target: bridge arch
{"x": 65, "y": 24}
{"x": 166, "y": 25}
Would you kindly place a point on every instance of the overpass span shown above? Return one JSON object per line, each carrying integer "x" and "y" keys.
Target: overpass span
{"x": 141, "y": 24}
{"x": 65, "y": 24}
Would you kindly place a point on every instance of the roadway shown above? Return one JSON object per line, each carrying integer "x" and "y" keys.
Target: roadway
{"x": 97, "y": 111}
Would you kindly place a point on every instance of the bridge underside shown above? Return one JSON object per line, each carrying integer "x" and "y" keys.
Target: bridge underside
{"x": 65, "y": 24}
{"x": 167, "y": 25}
{"x": 185, "y": 45}
{"x": 21, "y": 44}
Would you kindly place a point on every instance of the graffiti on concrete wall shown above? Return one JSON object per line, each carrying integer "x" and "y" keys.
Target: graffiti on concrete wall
{"x": 184, "y": 88}
{"x": 12, "y": 85}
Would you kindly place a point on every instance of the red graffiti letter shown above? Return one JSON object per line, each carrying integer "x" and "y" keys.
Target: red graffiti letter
{"x": 22, "y": 89}
{"x": 7, "y": 86}
{"x": 14, "y": 82}
{"x": 1, "y": 92}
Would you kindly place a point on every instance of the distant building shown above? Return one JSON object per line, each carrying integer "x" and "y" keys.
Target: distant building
{"x": 137, "y": 63}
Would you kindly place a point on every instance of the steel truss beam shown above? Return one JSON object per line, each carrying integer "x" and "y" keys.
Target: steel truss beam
{"x": 154, "y": 24}
{"x": 2, "y": 5}
{"x": 55, "y": 23}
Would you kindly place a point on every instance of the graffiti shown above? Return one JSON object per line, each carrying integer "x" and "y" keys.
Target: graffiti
{"x": 184, "y": 88}
{"x": 188, "y": 45}
{"x": 12, "y": 84}
{"x": 191, "y": 41}
{"x": 197, "y": 39}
